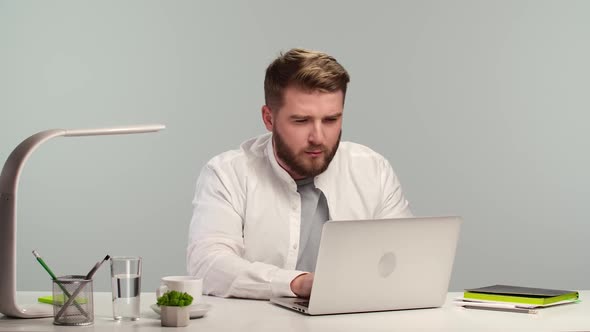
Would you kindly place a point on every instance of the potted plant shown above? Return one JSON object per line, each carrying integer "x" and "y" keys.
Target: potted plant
{"x": 174, "y": 308}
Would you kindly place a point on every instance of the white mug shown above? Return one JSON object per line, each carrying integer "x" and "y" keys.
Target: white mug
{"x": 188, "y": 284}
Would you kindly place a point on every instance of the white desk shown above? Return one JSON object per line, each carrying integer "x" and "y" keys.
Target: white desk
{"x": 253, "y": 316}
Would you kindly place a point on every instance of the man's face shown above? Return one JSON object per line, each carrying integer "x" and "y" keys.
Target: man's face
{"x": 306, "y": 130}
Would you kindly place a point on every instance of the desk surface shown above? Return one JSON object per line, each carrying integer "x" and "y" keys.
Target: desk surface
{"x": 252, "y": 315}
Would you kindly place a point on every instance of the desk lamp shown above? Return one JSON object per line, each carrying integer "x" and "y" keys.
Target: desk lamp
{"x": 8, "y": 188}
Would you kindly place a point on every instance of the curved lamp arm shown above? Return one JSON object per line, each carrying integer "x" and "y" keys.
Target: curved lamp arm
{"x": 8, "y": 188}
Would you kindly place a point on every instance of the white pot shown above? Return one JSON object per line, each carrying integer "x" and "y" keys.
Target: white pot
{"x": 174, "y": 316}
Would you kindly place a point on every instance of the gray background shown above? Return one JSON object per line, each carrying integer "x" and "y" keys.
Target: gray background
{"x": 481, "y": 107}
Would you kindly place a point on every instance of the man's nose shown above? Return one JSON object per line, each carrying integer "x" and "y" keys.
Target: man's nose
{"x": 316, "y": 136}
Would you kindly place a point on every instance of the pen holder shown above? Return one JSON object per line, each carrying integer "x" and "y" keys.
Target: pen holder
{"x": 73, "y": 301}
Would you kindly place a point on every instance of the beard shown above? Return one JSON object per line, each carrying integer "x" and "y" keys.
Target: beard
{"x": 299, "y": 162}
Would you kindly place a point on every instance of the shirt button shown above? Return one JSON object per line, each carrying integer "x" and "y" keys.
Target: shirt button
{"x": 295, "y": 246}
{"x": 294, "y": 206}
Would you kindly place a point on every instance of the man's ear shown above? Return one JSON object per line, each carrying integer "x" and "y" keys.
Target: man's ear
{"x": 267, "y": 117}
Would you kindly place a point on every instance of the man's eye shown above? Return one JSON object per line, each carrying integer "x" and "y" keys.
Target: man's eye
{"x": 301, "y": 121}
{"x": 331, "y": 119}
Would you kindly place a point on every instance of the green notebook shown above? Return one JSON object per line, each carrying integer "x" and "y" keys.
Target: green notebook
{"x": 517, "y": 294}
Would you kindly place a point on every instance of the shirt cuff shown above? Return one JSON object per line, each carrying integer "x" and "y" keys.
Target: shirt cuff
{"x": 280, "y": 284}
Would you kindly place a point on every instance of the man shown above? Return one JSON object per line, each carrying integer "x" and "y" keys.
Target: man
{"x": 259, "y": 210}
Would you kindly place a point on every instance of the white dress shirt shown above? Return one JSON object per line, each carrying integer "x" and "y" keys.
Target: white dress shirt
{"x": 244, "y": 234}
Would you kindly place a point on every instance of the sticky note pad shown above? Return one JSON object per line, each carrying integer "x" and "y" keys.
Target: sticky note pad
{"x": 60, "y": 299}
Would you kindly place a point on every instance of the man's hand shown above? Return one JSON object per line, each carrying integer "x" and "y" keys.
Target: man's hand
{"x": 301, "y": 285}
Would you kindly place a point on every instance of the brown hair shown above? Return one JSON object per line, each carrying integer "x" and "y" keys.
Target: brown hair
{"x": 305, "y": 69}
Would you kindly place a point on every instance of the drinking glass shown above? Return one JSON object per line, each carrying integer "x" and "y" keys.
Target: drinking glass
{"x": 126, "y": 286}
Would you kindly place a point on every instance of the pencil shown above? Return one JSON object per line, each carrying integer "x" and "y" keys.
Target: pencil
{"x": 54, "y": 278}
{"x": 42, "y": 262}
{"x": 520, "y": 310}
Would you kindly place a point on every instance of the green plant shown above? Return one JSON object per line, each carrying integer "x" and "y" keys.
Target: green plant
{"x": 175, "y": 299}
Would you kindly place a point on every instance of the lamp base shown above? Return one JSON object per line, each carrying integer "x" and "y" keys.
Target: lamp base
{"x": 35, "y": 310}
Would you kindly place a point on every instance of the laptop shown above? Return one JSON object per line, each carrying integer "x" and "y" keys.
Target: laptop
{"x": 381, "y": 264}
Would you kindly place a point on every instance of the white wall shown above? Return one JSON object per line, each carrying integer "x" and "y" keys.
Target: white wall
{"x": 481, "y": 107}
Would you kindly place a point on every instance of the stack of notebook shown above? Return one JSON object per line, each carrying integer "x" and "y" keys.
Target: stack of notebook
{"x": 515, "y": 298}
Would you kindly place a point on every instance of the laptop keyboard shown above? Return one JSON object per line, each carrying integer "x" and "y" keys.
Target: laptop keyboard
{"x": 303, "y": 303}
